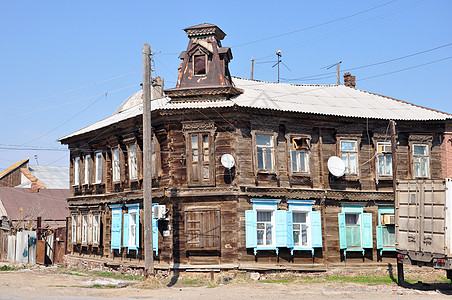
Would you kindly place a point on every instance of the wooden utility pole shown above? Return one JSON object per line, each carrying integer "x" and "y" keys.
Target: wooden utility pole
{"x": 147, "y": 161}
{"x": 252, "y": 67}
{"x": 400, "y": 275}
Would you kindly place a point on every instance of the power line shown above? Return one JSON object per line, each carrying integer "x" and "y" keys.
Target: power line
{"x": 368, "y": 65}
{"x": 409, "y": 68}
{"x": 314, "y": 26}
{"x": 68, "y": 91}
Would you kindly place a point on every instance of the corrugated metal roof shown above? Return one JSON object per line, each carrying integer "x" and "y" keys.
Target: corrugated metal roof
{"x": 49, "y": 204}
{"x": 50, "y": 176}
{"x": 334, "y": 100}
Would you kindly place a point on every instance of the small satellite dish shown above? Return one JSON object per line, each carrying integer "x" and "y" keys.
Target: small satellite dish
{"x": 336, "y": 166}
{"x": 227, "y": 160}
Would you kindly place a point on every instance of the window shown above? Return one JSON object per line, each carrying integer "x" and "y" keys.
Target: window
{"x": 155, "y": 150}
{"x": 264, "y": 152}
{"x": 77, "y": 171}
{"x": 349, "y": 155}
{"x": 202, "y": 228}
{"x": 116, "y": 167}
{"x": 87, "y": 168}
{"x": 131, "y": 231}
{"x": 386, "y": 229}
{"x": 268, "y": 228}
{"x": 300, "y": 229}
{"x": 384, "y": 159}
{"x": 355, "y": 229}
{"x": 96, "y": 231}
{"x": 421, "y": 160}
{"x": 306, "y": 225}
{"x": 98, "y": 167}
{"x": 200, "y": 64}
{"x": 84, "y": 229}
{"x": 265, "y": 228}
{"x": 133, "y": 165}
{"x": 200, "y": 159}
{"x": 299, "y": 154}
{"x": 74, "y": 229}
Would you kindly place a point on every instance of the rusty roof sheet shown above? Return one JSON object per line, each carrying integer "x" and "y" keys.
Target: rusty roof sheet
{"x": 50, "y": 204}
{"x": 333, "y": 100}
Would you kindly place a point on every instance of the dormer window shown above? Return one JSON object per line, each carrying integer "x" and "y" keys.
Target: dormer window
{"x": 200, "y": 64}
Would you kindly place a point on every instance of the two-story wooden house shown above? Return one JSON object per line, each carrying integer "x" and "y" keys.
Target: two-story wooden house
{"x": 240, "y": 171}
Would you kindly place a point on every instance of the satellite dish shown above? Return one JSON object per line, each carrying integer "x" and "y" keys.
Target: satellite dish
{"x": 336, "y": 166}
{"x": 227, "y": 160}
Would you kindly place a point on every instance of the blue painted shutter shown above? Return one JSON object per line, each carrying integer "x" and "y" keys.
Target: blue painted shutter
{"x": 379, "y": 237}
{"x": 342, "y": 231}
{"x": 125, "y": 235}
{"x": 137, "y": 229}
{"x": 281, "y": 228}
{"x": 316, "y": 229}
{"x": 155, "y": 236}
{"x": 289, "y": 219}
{"x": 116, "y": 229}
{"x": 366, "y": 229}
{"x": 251, "y": 228}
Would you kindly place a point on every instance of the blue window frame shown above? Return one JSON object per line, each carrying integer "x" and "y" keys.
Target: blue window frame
{"x": 386, "y": 229}
{"x": 268, "y": 228}
{"x": 129, "y": 228}
{"x": 116, "y": 225}
{"x": 355, "y": 229}
{"x": 306, "y": 225}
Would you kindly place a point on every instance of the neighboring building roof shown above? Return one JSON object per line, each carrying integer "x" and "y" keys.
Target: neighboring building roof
{"x": 50, "y": 177}
{"x": 13, "y": 167}
{"x": 49, "y": 204}
{"x": 333, "y": 100}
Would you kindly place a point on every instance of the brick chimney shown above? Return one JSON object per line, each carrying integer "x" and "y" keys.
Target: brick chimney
{"x": 349, "y": 80}
{"x": 34, "y": 187}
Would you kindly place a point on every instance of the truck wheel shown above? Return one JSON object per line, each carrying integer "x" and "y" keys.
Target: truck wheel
{"x": 449, "y": 274}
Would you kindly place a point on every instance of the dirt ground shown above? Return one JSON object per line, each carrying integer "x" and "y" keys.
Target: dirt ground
{"x": 39, "y": 282}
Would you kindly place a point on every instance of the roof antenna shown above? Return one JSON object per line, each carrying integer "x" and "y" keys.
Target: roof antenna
{"x": 279, "y": 54}
{"x": 337, "y": 71}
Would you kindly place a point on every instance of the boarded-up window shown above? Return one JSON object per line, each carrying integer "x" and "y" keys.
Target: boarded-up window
{"x": 200, "y": 159}
{"x": 200, "y": 65}
{"x": 202, "y": 228}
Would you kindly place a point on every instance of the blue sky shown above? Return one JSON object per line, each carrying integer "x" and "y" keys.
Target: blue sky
{"x": 67, "y": 64}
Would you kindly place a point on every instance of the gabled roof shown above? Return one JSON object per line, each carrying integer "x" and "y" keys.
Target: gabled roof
{"x": 22, "y": 203}
{"x": 328, "y": 100}
{"x": 13, "y": 167}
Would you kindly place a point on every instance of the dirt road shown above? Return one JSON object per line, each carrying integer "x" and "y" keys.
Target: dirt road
{"x": 39, "y": 282}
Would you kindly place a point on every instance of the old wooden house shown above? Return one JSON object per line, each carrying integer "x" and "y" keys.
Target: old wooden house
{"x": 240, "y": 171}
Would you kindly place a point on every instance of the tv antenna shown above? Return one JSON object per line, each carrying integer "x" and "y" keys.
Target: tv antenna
{"x": 279, "y": 54}
{"x": 337, "y": 71}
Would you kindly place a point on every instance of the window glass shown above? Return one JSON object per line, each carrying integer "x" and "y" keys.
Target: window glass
{"x": 116, "y": 167}
{"x": 87, "y": 168}
{"x": 421, "y": 162}
{"x": 264, "y": 151}
{"x": 132, "y": 228}
{"x": 77, "y": 171}
{"x": 133, "y": 165}
{"x": 98, "y": 167}
{"x": 96, "y": 229}
{"x": 200, "y": 65}
{"x": 74, "y": 229}
{"x": 353, "y": 230}
{"x": 349, "y": 156}
{"x": 194, "y": 147}
{"x": 84, "y": 228}
{"x": 264, "y": 228}
{"x": 300, "y": 229}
